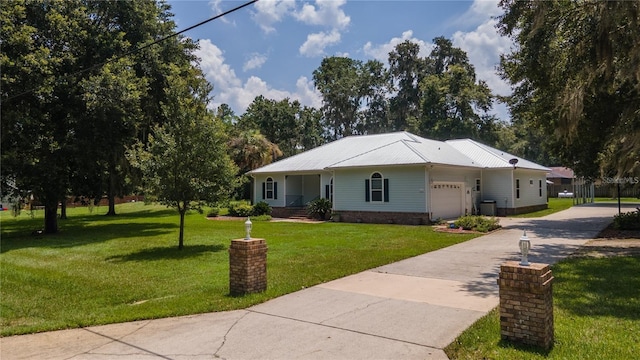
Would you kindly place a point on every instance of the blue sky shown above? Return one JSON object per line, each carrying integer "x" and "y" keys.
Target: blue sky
{"x": 272, "y": 47}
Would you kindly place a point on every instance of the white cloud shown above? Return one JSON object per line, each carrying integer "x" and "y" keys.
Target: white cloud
{"x": 255, "y": 62}
{"x": 212, "y": 63}
{"x": 479, "y": 12}
{"x": 316, "y": 43}
{"x": 241, "y": 97}
{"x": 381, "y": 52}
{"x": 484, "y": 9}
{"x": 229, "y": 89}
{"x": 217, "y": 9}
{"x": 270, "y": 12}
{"x": 307, "y": 93}
{"x": 484, "y": 46}
{"x": 324, "y": 12}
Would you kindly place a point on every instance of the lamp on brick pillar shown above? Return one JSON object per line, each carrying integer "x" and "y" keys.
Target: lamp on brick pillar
{"x": 525, "y": 246}
{"x": 247, "y": 228}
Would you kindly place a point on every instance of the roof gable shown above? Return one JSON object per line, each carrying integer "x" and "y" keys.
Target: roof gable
{"x": 561, "y": 172}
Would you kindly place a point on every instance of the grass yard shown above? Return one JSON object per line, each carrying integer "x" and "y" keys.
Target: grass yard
{"x": 615, "y": 200}
{"x": 596, "y": 312}
{"x": 100, "y": 269}
{"x": 555, "y": 205}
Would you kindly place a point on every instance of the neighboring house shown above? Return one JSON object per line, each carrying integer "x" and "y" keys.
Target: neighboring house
{"x": 402, "y": 178}
{"x": 561, "y": 181}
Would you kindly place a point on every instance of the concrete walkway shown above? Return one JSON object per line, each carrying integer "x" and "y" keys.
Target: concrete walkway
{"x": 411, "y": 309}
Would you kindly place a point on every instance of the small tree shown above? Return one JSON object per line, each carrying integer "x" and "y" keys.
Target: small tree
{"x": 185, "y": 164}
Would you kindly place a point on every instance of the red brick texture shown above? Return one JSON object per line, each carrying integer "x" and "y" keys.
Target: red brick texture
{"x": 526, "y": 304}
{"x": 247, "y": 266}
{"x": 383, "y": 217}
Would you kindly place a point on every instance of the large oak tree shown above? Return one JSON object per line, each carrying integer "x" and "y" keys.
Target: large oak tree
{"x": 575, "y": 73}
{"x": 66, "y": 116}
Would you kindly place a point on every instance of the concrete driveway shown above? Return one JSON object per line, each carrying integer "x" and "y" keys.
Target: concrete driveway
{"x": 411, "y": 309}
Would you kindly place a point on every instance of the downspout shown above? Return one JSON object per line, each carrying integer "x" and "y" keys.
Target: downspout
{"x": 253, "y": 193}
{"x": 332, "y": 191}
{"x": 427, "y": 193}
{"x": 513, "y": 192}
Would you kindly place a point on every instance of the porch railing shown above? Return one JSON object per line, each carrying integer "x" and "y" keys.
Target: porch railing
{"x": 295, "y": 201}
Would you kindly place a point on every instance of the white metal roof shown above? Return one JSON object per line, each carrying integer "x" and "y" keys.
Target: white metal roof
{"x": 399, "y": 148}
{"x": 489, "y": 157}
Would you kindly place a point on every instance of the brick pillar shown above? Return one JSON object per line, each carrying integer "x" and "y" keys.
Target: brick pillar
{"x": 247, "y": 266}
{"x": 526, "y": 304}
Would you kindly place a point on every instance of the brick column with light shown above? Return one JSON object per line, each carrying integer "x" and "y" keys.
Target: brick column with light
{"x": 526, "y": 303}
{"x": 247, "y": 266}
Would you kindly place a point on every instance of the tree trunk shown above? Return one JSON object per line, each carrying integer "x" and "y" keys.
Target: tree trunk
{"x": 111, "y": 193}
{"x": 51, "y": 217}
{"x": 63, "y": 209}
{"x": 181, "y": 236}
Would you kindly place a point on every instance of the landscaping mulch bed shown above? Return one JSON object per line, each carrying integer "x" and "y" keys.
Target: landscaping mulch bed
{"x": 447, "y": 229}
{"x": 612, "y": 242}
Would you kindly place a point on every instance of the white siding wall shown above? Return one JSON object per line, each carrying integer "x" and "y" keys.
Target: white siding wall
{"x": 529, "y": 190}
{"x": 278, "y": 178}
{"x": 499, "y": 185}
{"x": 496, "y": 185}
{"x": 406, "y": 189}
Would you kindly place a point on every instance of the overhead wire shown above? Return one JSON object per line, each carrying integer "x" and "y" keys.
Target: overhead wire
{"x": 143, "y": 47}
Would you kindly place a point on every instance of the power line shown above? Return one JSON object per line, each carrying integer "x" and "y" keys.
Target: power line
{"x": 144, "y": 46}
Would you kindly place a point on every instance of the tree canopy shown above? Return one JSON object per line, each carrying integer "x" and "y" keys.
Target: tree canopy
{"x": 437, "y": 96}
{"x": 575, "y": 73}
{"x": 185, "y": 162}
{"x": 75, "y": 93}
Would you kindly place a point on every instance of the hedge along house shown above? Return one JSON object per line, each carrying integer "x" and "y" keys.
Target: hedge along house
{"x": 402, "y": 178}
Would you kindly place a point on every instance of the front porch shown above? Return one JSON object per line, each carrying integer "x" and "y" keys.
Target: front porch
{"x": 288, "y": 195}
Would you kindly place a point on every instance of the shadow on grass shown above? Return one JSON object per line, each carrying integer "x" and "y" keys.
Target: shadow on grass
{"x": 599, "y": 287}
{"x": 506, "y": 344}
{"x": 78, "y": 235}
{"x": 167, "y": 253}
{"x": 27, "y": 226}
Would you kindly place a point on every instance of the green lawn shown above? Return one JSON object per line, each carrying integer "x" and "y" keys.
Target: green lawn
{"x": 101, "y": 269}
{"x": 559, "y": 204}
{"x": 615, "y": 200}
{"x": 596, "y": 312}
{"x": 555, "y": 205}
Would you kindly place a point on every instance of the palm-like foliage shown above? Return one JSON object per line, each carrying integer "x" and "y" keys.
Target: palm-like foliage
{"x": 251, "y": 150}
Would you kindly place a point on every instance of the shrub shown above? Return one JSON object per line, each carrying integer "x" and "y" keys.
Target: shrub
{"x": 213, "y": 212}
{"x": 627, "y": 221}
{"x": 261, "y": 208}
{"x": 319, "y": 207}
{"x": 240, "y": 210}
{"x": 261, "y": 218}
{"x": 477, "y": 223}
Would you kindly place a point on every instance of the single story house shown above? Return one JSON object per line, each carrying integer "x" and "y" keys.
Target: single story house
{"x": 403, "y": 178}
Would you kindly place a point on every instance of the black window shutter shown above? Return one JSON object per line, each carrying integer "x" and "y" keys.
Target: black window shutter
{"x": 275, "y": 190}
{"x": 366, "y": 190}
{"x": 386, "y": 190}
{"x": 326, "y": 191}
{"x": 264, "y": 192}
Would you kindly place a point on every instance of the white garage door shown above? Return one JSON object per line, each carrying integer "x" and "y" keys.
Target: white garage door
{"x": 446, "y": 200}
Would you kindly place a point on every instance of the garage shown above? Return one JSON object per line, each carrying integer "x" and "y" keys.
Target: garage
{"x": 447, "y": 200}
